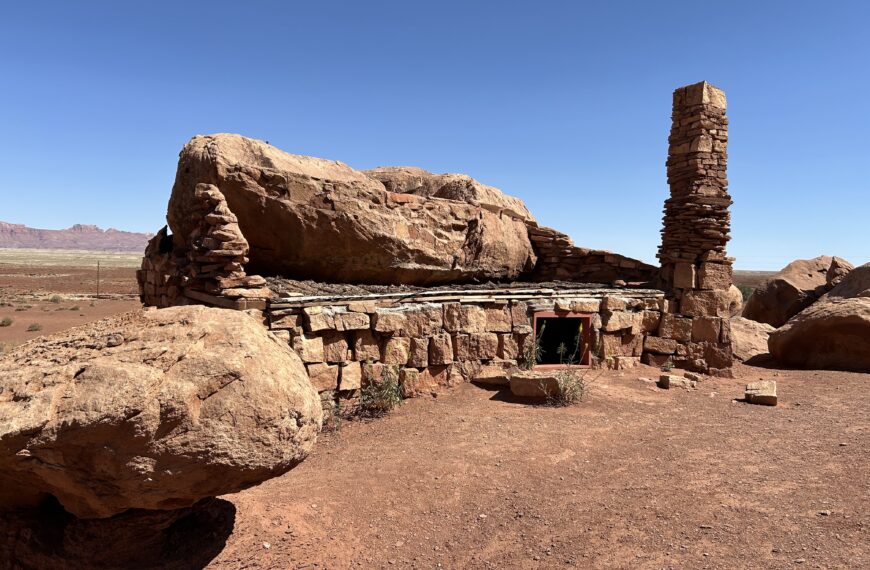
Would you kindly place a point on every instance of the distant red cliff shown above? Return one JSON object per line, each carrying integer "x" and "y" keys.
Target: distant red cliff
{"x": 79, "y": 236}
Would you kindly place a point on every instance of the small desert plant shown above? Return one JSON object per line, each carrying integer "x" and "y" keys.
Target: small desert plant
{"x": 55, "y": 299}
{"x": 571, "y": 387}
{"x": 34, "y": 327}
{"x": 332, "y": 413}
{"x": 75, "y": 308}
{"x": 533, "y": 352}
{"x": 5, "y": 321}
{"x": 380, "y": 396}
{"x": 668, "y": 365}
{"x": 747, "y": 291}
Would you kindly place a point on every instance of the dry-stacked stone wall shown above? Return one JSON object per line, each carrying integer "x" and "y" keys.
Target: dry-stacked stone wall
{"x": 560, "y": 260}
{"x": 346, "y": 345}
{"x": 696, "y": 271}
{"x": 211, "y": 270}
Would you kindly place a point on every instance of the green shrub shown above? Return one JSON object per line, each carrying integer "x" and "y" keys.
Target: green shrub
{"x": 35, "y": 327}
{"x": 55, "y": 299}
{"x": 747, "y": 291}
{"x": 75, "y": 308}
{"x": 571, "y": 387}
{"x": 5, "y": 321}
{"x": 379, "y": 396}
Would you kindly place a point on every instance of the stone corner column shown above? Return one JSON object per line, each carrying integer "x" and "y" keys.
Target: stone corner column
{"x": 696, "y": 273}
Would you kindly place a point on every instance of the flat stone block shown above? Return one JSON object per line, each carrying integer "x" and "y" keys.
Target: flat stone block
{"x": 762, "y": 393}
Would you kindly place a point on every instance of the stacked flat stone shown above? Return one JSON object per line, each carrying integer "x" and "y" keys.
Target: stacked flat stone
{"x": 696, "y": 272}
{"x": 211, "y": 270}
{"x": 346, "y": 345}
{"x": 560, "y": 260}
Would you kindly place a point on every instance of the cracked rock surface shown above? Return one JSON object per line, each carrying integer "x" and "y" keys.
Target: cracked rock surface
{"x": 152, "y": 409}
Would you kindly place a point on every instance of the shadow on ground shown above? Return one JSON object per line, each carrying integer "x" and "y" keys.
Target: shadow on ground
{"x": 52, "y": 539}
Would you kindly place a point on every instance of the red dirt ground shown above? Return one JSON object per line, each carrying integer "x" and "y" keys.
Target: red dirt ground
{"x": 26, "y": 297}
{"x": 633, "y": 477}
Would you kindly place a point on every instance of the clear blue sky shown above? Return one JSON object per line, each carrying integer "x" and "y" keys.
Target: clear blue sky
{"x": 564, "y": 104}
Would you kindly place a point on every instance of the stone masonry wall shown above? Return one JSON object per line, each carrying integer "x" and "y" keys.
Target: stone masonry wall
{"x": 560, "y": 260}
{"x": 346, "y": 345}
{"x": 696, "y": 272}
{"x": 211, "y": 271}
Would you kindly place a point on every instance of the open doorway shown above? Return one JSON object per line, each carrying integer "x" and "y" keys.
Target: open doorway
{"x": 562, "y": 339}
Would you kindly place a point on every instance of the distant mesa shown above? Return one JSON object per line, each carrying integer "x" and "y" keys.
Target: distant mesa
{"x": 79, "y": 236}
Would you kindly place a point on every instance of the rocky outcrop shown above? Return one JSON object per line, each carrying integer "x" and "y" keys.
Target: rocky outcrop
{"x": 456, "y": 187}
{"x": 795, "y": 287}
{"x": 833, "y": 332}
{"x": 320, "y": 219}
{"x": 749, "y": 338}
{"x": 151, "y": 410}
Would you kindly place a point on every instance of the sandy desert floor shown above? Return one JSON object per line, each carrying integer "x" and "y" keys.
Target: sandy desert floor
{"x": 49, "y": 291}
{"x": 633, "y": 477}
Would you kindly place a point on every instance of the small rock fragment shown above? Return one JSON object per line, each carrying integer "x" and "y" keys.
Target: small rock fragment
{"x": 762, "y": 393}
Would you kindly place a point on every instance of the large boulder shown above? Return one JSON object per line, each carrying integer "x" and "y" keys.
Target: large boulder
{"x": 458, "y": 187}
{"x": 151, "y": 410}
{"x": 311, "y": 218}
{"x": 749, "y": 338}
{"x": 795, "y": 287}
{"x": 832, "y": 333}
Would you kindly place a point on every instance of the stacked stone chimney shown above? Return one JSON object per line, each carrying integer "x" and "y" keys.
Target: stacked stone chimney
{"x": 696, "y": 271}
{"x": 210, "y": 270}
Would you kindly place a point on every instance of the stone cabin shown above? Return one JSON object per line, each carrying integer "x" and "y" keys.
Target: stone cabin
{"x": 439, "y": 277}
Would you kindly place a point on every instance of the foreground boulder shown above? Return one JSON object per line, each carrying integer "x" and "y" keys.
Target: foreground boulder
{"x": 749, "y": 338}
{"x": 151, "y": 410}
{"x": 797, "y": 286}
{"x": 832, "y": 333}
{"x": 318, "y": 219}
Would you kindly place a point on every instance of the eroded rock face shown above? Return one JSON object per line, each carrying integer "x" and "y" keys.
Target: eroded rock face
{"x": 832, "y": 333}
{"x": 319, "y": 219}
{"x": 798, "y": 285}
{"x": 749, "y": 338}
{"x": 458, "y": 187}
{"x": 152, "y": 410}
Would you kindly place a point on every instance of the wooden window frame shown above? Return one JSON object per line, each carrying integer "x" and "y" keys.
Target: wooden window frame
{"x": 586, "y": 357}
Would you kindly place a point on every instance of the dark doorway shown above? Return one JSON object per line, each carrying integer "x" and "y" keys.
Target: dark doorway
{"x": 562, "y": 339}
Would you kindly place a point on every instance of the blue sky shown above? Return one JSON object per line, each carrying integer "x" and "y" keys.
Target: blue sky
{"x": 564, "y": 104}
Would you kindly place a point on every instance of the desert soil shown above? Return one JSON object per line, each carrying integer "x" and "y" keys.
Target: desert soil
{"x": 55, "y": 290}
{"x": 633, "y": 477}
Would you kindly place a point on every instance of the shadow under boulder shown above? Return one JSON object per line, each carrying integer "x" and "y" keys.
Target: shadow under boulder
{"x": 49, "y": 538}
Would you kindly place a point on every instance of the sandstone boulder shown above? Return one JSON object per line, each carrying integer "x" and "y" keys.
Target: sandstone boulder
{"x": 832, "y": 333}
{"x": 735, "y": 301}
{"x": 320, "y": 219}
{"x": 457, "y": 187}
{"x": 749, "y": 338}
{"x": 798, "y": 285}
{"x": 151, "y": 410}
